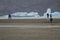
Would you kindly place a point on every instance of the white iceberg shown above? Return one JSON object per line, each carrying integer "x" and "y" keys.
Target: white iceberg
{"x": 18, "y": 15}
{"x": 56, "y": 14}
{"x": 25, "y": 14}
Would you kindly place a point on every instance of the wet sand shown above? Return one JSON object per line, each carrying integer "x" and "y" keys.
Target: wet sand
{"x": 31, "y": 20}
{"x": 29, "y": 31}
{"x": 16, "y": 33}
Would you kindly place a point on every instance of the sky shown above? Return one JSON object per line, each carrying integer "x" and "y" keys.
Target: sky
{"x": 40, "y": 6}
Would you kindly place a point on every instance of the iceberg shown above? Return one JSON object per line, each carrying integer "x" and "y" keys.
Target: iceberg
{"x": 25, "y": 14}
{"x": 18, "y": 15}
{"x": 54, "y": 14}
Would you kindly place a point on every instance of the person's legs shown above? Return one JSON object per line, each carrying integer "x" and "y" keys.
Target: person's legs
{"x": 51, "y": 20}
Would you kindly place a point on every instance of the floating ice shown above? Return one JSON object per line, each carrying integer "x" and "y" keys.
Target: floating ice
{"x": 22, "y": 15}
{"x": 25, "y": 14}
{"x": 54, "y": 14}
{"x": 32, "y": 15}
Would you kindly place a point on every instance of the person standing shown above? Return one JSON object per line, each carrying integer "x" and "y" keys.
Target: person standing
{"x": 9, "y": 16}
{"x": 47, "y": 15}
{"x": 51, "y": 19}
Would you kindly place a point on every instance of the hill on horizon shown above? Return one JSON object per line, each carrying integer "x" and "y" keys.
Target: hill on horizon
{"x": 40, "y": 6}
